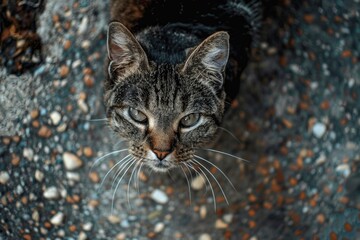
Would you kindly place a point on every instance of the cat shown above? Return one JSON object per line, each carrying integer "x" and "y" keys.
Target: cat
{"x": 172, "y": 69}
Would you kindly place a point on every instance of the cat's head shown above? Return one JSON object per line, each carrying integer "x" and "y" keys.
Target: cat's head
{"x": 164, "y": 111}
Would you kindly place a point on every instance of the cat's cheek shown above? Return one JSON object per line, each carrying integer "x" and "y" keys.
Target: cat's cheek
{"x": 126, "y": 130}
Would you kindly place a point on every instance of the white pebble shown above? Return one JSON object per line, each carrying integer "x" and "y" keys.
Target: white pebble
{"x": 51, "y": 193}
{"x": 228, "y": 218}
{"x": 220, "y": 224}
{"x": 82, "y": 236}
{"x": 205, "y": 236}
{"x": 4, "y": 177}
{"x": 321, "y": 159}
{"x": 114, "y": 219}
{"x": 203, "y": 212}
{"x": 159, "y": 227}
{"x": 85, "y": 44}
{"x": 55, "y": 118}
{"x": 39, "y": 176}
{"x": 35, "y": 216}
{"x": 159, "y": 196}
{"x": 83, "y": 25}
{"x": 73, "y": 176}
{"x": 120, "y": 236}
{"x": 198, "y": 182}
{"x": 83, "y": 106}
{"x": 28, "y": 153}
{"x": 343, "y": 169}
{"x": 57, "y": 219}
{"x": 71, "y": 161}
{"x": 87, "y": 226}
{"x": 319, "y": 129}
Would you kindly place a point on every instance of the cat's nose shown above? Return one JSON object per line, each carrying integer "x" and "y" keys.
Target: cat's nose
{"x": 161, "y": 154}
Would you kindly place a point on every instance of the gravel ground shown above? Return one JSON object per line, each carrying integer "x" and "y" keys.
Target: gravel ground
{"x": 296, "y": 121}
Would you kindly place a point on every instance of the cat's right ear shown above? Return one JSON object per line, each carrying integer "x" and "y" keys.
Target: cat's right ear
{"x": 125, "y": 53}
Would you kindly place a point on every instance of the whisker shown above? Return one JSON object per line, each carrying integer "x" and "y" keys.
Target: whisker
{"x": 98, "y": 120}
{"x": 124, "y": 159}
{"x": 188, "y": 183}
{"x": 108, "y": 154}
{"x": 230, "y": 133}
{"x": 117, "y": 185}
{"x": 212, "y": 175}
{"x": 224, "y": 153}
{"x": 197, "y": 173}
{"x": 137, "y": 176}
{"x": 211, "y": 188}
{"x": 119, "y": 142}
{"x": 128, "y": 188}
{"x": 212, "y": 164}
{"x": 121, "y": 168}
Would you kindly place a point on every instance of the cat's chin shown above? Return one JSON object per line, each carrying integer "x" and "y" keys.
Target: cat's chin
{"x": 160, "y": 167}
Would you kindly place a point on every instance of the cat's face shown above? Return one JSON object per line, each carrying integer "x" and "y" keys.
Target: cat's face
{"x": 164, "y": 111}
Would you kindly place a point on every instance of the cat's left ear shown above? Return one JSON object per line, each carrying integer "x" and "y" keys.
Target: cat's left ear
{"x": 211, "y": 55}
{"x": 125, "y": 53}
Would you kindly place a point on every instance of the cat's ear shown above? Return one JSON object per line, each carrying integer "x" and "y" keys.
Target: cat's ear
{"x": 211, "y": 55}
{"x": 125, "y": 53}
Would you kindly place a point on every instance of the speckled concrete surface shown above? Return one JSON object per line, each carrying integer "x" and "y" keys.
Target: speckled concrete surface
{"x": 296, "y": 121}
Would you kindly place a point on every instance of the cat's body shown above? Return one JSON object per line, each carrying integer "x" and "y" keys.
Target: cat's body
{"x": 168, "y": 85}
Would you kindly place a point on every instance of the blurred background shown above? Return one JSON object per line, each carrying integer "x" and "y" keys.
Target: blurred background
{"x": 296, "y": 121}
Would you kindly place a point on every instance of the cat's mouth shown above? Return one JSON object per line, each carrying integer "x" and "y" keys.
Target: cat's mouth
{"x": 161, "y": 166}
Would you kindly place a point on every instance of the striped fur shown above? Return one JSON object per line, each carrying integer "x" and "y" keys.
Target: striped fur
{"x": 167, "y": 73}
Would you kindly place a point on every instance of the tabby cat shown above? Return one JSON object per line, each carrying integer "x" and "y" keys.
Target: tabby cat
{"x": 173, "y": 67}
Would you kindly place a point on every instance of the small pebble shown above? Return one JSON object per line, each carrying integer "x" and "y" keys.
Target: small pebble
{"x": 343, "y": 169}
{"x": 205, "y": 236}
{"x": 51, "y": 193}
{"x": 71, "y": 161}
{"x": 120, "y": 236}
{"x": 159, "y": 196}
{"x": 57, "y": 219}
{"x": 88, "y": 152}
{"x": 61, "y": 128}
{"x": 319, "y": 129}
{"x": 82, "y": 236}
{"x": 83, "y": 106}
{"x": 87, "y": 226}
{"x": 73, "y": 176}
{"x": 228, "y": 218}
{"x": 64, "y": 71}
{"x": 320, "y": 160}
{"x": 39, "y": 176}
{"x": 83, "y": 25}
{"x": 34, "y": 113}
{"x": 44, "y": 132}
{"x": 198, "y": 182}
{"x": 86, "y": 44}
{"x": 203, "y": 212}
{"x": 4, "y": 177}
{"x": 159, "y": 227}
{"x": 113, "y": 219}
{"x": 28, "y": 153}
{"x": 220, "y": 224}
{"x": 88, "y": 80}
{"x": 55, "y": 118}
{"x": 35, "y": 216}
{"x": 94, "y": 177}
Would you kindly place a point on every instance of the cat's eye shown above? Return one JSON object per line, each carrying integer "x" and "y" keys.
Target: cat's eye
{"x": 137, "y": 116}
{"x": 190, "y": 120}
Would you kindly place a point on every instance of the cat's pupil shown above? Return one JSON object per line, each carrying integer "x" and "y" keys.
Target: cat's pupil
{"x": 190, "y": 120}
{"x": 137, "y": 116}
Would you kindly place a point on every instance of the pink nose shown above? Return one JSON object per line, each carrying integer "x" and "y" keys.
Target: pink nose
{"x": 161, "y": 154}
